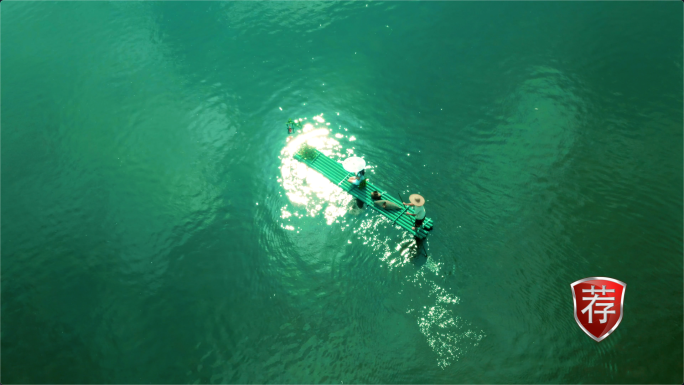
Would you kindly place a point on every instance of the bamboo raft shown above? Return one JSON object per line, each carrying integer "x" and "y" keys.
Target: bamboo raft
{"x": 337, "y": 174}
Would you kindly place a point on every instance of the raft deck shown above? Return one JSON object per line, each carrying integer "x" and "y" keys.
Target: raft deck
{"x": 337, "y": 174}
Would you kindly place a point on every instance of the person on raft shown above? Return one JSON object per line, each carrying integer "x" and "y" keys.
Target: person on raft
{"x": 417, "y": 202}
{"x": 379, "y": 202}
{"x": 356, "y": 180}
{"x": 387, "y": 205}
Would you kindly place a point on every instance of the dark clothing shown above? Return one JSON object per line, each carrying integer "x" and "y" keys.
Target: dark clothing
{"x": 419, "y": 222}
{"x": 359, "y": 178}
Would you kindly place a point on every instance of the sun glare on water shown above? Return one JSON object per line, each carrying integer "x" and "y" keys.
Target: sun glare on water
{"x": 308, "y": 190}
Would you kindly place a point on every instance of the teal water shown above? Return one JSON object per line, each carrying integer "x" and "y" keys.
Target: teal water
{"x": 156, "y": 230}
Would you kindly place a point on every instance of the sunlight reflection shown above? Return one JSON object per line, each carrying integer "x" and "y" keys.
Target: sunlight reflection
{"x": 306, "y": 187}
{"x": 447, "y": 333}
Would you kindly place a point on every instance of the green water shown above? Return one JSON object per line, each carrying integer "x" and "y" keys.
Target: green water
{"x": 156, "y": 230}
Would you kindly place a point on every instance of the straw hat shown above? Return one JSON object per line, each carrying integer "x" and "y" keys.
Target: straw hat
{"x": 416, "y": 199}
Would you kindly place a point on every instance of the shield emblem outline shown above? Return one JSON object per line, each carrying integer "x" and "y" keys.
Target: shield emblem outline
{"x": 574, "y": 302}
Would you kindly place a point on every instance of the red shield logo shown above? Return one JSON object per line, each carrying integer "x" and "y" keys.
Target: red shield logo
{"x": 598, "y": 305}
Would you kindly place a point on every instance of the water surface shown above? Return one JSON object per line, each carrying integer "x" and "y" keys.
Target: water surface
{"x": 157, "y": 230}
